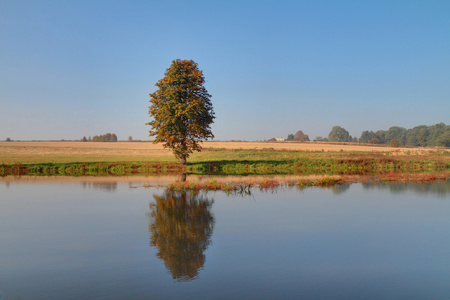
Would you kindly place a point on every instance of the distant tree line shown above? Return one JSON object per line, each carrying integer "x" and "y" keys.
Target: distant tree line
{"x": 102, "y": 138}
{"x": 434, "y": 135}
{"x": 337, "y": 134}
{"x": 419, "y": 136}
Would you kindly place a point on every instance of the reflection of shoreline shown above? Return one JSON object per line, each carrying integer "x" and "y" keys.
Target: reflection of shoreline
{"x": 106, "y": 186}
{"x": 151, "y": 179}
{"x": 181, "y": 225}
{"x": 82, "y": 179}
{"x": 440, "y": 188}
{"x": 421, "y": 183}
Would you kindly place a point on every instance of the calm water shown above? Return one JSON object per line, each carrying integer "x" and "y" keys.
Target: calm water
{"x": 111, "y": 241}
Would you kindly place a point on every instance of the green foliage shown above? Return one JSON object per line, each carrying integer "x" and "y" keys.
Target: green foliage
{"x": 398, "y": 133}
{"x": 181, "y": 109}
{"x": 339, "y": 134}
{"x": 290, "y": 137}
{"x": 419, "y": 136}
{"x": 443, "y": 140}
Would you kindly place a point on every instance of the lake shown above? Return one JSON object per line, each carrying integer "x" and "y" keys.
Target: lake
{"x": 83, "y": 239}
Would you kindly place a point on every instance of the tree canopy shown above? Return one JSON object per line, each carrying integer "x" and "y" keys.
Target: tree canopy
{"x": 300, "y": 136}
{"x": 434, "y": 135}
{"x": 339, "y": 134}
{"x": 181, "y": 109}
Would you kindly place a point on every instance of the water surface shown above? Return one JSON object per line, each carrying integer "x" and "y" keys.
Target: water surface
{"x": 109, "y": 240}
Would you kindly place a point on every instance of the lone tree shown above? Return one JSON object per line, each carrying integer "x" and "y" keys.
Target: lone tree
{"x": 181, "y": 109}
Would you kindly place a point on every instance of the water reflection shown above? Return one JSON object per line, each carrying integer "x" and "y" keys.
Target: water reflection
{"x": 181, "y": 227}
{"x": 106, "y": 186}
{"x": 441, "y": 188}
{"x": 340, "y": 188}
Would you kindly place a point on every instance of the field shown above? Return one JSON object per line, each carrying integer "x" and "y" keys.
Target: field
{"x": 71, "y": 152}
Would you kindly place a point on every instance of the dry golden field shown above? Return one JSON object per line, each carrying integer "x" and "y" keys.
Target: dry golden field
{"x": 65, "y": 151}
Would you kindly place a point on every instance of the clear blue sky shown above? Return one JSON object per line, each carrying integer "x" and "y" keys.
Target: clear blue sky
{"x": 70, "y": 69}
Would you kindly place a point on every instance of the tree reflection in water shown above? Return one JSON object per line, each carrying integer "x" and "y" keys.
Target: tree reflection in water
{"x": 181, "y": 227}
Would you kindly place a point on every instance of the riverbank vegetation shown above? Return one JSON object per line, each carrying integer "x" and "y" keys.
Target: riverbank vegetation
{"x": 247, "y": 162}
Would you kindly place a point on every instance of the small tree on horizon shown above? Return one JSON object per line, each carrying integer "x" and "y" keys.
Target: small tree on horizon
{"x": 300, "y": 136}
{"x": 181, "y": 109}
{"x": 338, "y": 134}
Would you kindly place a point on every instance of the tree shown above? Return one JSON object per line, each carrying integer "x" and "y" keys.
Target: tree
{"x": 181, "y": 109}
{"x": 130, "y": 138}
{"x": 290, "y": 137}
{"x": 338, "y": 134}
{"x": 444, "y": 140}
{"x": 321, "y": 139}
{"x": 8, "y": 139}
{"x": 374, "y": 140}
{"x": 365, "y": 136}
{"x": 84, "y": 139}
{"x": 398, "y": 133}
{"x": 394, "y": 143}
{"x": 300, "y": 136}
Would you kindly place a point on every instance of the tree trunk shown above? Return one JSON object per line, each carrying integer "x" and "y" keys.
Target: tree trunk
{"x": 183, "y": 160}
{"x": 183, "y": 177}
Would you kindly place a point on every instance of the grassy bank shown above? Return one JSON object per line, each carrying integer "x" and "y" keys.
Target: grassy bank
{"x": 311, "y": 164}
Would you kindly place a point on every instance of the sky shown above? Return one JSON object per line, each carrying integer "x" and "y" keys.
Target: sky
{"x": 70, "y": 69}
